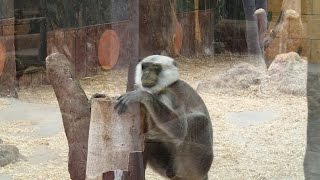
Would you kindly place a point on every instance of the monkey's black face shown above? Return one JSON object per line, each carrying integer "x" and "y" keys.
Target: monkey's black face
{"x": 150, "y": 72}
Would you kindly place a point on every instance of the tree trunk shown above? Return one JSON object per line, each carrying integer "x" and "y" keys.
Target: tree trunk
{"x": 157, "y": 23}
{"x": 75, "y": 111}
{"x": 7, "y": 50}
{"x": 252, "y": 35}
{"x": 133, "y": 6}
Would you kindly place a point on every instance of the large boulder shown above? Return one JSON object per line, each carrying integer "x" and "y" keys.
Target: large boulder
{"x": 241, "y": 76}
{"x": 8, "y": 154}
{"x": 288, "y": 73}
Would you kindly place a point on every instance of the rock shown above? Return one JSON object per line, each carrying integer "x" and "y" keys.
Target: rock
{"x": 8, "y": 154}
{"x": 288, "y": 73}
{"x": 1, "y": 141}
{"x": 241, "y": 76}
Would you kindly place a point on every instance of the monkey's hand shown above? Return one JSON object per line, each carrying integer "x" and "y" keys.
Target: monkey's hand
{"x": 129, "y": 98}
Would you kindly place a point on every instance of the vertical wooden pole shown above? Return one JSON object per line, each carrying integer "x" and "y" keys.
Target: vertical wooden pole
{"x": 59, "y": 41}
{"x": 7, "y": 58}
{"x": 80, "y": 56}
{"x": 43, "y": 40}
{"x": 92, "y": 57}
{"x": 70, "y": 46}
{"x": 50, "y": 43}
{"x": 261, "y": 16}
{"x": 251, "y": 27}
{"x": 197, "y": 30}
{"x": 115, "y": 142}
{"x": 7, "y": 50}
{"x": 133, "y": 8}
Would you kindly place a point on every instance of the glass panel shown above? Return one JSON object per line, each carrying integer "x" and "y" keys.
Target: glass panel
{"x": 159, "y": 89}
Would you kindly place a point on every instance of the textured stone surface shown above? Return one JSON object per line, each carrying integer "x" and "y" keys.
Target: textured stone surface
{"x": 8, "y": 154}
{"x": 288, "y": 72}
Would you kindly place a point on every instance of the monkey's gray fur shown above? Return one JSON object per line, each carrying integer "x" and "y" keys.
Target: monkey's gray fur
{"x": 178, "y": 129}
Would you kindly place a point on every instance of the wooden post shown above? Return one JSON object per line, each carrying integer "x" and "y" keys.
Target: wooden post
{"x": 262, "y": 23}
{"x": 91, "y": 51}
{"x": 7, "y": 59}
{"x": 75, "y": 111}
{"x": 7, "y": 50}
{"x": 80, "y": 55}
{"x": 115, "y": 143}
{"x": 43, "y": 39}
{"x": 251, "y": 27}
{"x": 134, "y": 42}
{"x": 197, "y": 30}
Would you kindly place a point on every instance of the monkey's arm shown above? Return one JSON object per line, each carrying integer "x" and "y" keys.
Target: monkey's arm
{"x": 171, "y": 122}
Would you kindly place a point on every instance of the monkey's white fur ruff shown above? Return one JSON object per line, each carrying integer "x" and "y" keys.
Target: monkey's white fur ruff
{"x": 167, "y": 76}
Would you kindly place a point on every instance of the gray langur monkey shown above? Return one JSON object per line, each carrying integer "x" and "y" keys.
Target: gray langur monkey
{"x": 178, "y": 129}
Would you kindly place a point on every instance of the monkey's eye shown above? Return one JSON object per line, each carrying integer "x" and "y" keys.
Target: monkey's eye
{"x": 158, "y": 68}
{"x": 145, "y": 65}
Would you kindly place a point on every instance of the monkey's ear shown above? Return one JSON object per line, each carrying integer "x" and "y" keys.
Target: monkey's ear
{"x": 164, "y": 53}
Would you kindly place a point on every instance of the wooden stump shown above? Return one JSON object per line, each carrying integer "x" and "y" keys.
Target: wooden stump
{"x": 115, "y": 143}
{"x": 75, "y": 111}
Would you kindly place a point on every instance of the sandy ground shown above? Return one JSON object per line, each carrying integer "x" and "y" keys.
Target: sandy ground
{"x": 256, "y": 135}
